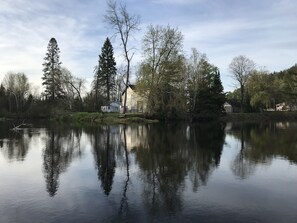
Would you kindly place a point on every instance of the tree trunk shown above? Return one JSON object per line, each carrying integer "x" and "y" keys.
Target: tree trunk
{"x": 241, "y": 98}
{"x": 127, "y": 84}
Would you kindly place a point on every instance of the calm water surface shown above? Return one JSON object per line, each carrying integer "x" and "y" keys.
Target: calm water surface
{"x": 149, "y": 173}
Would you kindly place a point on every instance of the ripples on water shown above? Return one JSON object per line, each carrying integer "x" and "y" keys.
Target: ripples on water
{"x": 149, "y": 173}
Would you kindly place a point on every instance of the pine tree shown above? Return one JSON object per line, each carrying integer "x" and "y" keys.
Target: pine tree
{"x": 52, "y": 72}
{"x": 210, "y": 96}
{"x": 104, "y": 81}
{"x": 3, "y": 99}
{"x": 218, "y": 97}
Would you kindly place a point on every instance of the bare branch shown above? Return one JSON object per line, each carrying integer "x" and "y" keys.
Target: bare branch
{"x": 241, "y": 68}
{"x": 124, "y": 25}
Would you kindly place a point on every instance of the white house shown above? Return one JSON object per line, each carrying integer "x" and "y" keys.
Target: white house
{"x": 228, "y": 107}
{"x": 135, "y": 102}
{"x": 112, "y": 107}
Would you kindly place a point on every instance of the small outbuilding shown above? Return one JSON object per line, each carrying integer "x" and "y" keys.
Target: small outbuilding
{"x": 112, "y": 107}
{"x": 228, "y": 107}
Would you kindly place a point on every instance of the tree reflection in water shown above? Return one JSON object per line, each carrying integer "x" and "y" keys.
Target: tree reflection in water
{"x": 261, "y": 143}
{"x": 172, "y": 153}
{"x": 243, "y": 167}
{"x": 110, "y": 146}
{"x": 103, "y": 144}
{"x": 14, "y": 145}
{"x": 61, "y": 147}
{"x": 124, "y": 201}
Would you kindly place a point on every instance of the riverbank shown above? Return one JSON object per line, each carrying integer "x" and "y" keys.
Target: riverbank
{"x": 258, "y": 117}
{"x": 140, "y": 118}
{"x": 105, "y": 118}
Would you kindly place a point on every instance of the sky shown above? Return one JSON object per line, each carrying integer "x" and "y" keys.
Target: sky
{"x": 263, "y": 30}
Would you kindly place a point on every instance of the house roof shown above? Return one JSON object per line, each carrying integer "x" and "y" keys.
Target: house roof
{"x": 234, "y": 102}
{"x": 227, "y": 104}
{"x": 132, "y": 86}
{"x": 114, "y": 103}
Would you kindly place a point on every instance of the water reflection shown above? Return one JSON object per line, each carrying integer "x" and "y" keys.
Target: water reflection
{"x": 14, "y": 145}
{"x": 169, "y": 154}
{"x": 163, "y": 153}
{"x": 261, "y": 143}
{"x": 149, "y": 173}
{"x": 61, "y": 147}
{"x": 104, "y": 143}
{"x": 123, "y": 210}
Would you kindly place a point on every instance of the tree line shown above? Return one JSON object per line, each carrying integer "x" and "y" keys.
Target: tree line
{"x": 261, "y": 90}
{"x": 173, "y": 84}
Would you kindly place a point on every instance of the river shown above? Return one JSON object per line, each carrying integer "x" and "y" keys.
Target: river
{"x": 213, "y": 172}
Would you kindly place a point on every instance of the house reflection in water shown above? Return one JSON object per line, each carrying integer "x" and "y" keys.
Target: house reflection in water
{"x": 136, "y": 136}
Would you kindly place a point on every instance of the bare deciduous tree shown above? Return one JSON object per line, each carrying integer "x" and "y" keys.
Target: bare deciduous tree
{"x": 241, "y": 68}
{"x": 18, "y": 87}
{"x": 161, "y": 44}
{"x": 124, "y": 24}
{"x": 72, "y": 86}
{"x": 195, "y": 71}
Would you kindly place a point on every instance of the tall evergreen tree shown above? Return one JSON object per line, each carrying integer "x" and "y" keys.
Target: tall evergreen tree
{"x": 218, "y": 96}
{"x": 3, "y": 99}
{"x": 52, "y": 79}
{"x": 210, "y": 97}
{"x": 104, "y": 81}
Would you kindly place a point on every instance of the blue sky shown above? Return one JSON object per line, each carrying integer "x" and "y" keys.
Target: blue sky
{"x": 263, "y": 30}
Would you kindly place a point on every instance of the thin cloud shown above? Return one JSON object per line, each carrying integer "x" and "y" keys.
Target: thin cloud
{"x": 265, "y": 31}
{"x": 27, "y": 30}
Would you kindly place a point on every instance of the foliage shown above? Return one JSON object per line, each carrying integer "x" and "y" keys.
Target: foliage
{"x": 103, "y": 118}
{"x": 15, "y": 92}
{"x": 241, "y": 68}
{"x": 289, "y": 89}
{"x": 73, "y": 87}
{"x": 233, "y": 95}
{"x": 124, "y": 24}
{"x": 52, "y": 75}
{"x": 205, "y": 90}
{"x": 172, "y": 84}
{"x": 194, "y": 77}
{"x": 3, "y": 100}
{"x": 264, "y": 95}
{"x": 104, "y": 80}
{"x": 162, "y": 73}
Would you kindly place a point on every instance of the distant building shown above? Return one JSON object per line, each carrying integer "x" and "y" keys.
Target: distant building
{"x": 232, "y": 106}
{"x": 135, "y": 102}
{"x": 228, "y": 107}
{"x": 285, "y": 107}
{"x": 112, "y": 107}
{"x": 282, "y": 107}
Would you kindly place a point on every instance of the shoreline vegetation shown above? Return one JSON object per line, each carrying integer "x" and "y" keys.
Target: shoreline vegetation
{"x": 98, "y": 118}
{"x": 105, "y": 118}
{"x": 171, "y": 86}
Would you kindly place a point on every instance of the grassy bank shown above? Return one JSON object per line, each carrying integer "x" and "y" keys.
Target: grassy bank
{"x": 139, "y": 118}
{"x": 258, "y": 117}
{"x": 104, "y": 118}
